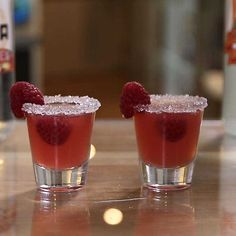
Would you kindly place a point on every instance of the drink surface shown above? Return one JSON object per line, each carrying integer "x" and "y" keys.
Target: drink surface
{"x": 167, "y": 131}
{"x": 63, "y": 143}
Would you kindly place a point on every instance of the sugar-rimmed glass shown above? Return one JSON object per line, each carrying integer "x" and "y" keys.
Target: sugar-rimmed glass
{"x": 60, "y": 133}
{"x": 167, "y": 133}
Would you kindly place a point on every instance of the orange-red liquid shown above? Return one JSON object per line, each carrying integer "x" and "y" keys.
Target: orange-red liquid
{"x": 156, "y": 150}
{"x": 72, "y": 153}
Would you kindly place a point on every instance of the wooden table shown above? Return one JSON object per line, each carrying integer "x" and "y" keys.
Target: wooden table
{"x": 113, "y": 202}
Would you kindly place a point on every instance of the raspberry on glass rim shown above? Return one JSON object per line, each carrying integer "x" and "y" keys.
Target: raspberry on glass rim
{"x": 133, "y": 94}
{"x": 24, "y": 92}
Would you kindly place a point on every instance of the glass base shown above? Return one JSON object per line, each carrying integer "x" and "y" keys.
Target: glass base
{"x": 158, "y": 179}
{"x": 60, "y": 180}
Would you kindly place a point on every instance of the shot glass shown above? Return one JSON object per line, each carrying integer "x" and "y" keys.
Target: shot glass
{"x": 167, "y": 133}
{"x": 60, "y": 133}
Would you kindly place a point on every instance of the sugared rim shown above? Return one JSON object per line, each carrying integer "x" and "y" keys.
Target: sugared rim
{"x": 63, "y": 105}
{"x": 174, "y": 104}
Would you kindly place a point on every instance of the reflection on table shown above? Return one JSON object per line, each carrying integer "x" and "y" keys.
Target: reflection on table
{"x": 113, "y": 201}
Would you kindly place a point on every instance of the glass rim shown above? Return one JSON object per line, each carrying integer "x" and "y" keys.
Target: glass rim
{"x": 63, "y": 105}
{"x": 174, "y": 104}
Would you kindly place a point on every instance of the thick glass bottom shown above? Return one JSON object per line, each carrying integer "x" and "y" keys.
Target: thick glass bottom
{"x": 60, "y": 180}
{"x": 166, "y": 179}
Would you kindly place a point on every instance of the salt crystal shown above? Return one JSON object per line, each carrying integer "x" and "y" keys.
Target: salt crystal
{"x": 63, "y": 105}
{"x": 174, "y": 104}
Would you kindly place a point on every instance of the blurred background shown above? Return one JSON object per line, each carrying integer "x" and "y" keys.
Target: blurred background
{"x": 92, "y": 47}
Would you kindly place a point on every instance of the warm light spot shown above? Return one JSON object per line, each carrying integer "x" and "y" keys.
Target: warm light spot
{"x": 113, "y": 216}
{"x": 92, "y": 151}
{"x": 2, "y": 125}
{"x": 6, "y": 66}
{"x": 213, "y": 83}
{"x": 1, "y": 162}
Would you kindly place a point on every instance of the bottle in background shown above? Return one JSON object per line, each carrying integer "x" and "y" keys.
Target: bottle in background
{"x": 229, "y": 107}
{"x": 6, "y": 66}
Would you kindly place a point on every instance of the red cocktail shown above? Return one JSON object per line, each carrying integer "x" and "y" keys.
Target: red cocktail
{"x": 60, "y": 133}
{"x": 167, "y": 133}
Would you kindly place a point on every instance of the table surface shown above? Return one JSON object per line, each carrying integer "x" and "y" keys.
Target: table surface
{"x": 113, "y": 201}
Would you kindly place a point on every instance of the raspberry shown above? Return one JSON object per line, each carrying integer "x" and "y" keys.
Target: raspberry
{"x": 133, "y": 94}
{"x": 172, "y": 128}
{"x": 53, "y": 130}
{"x": 24, "y": 92}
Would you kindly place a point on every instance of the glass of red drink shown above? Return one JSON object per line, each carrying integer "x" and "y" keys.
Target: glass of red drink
{"x": 60, "y": 133}
{"x": 167, "y": 134}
